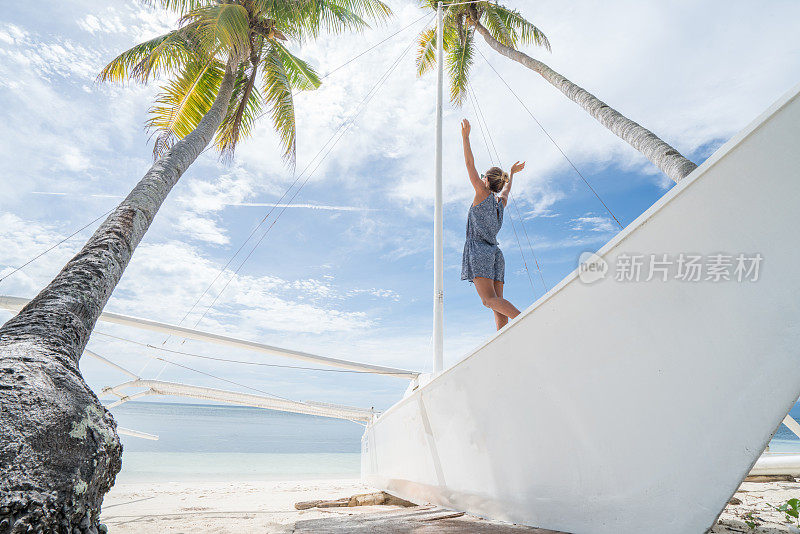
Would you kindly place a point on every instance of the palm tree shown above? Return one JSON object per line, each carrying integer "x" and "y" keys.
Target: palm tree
{"x": 505, "y": 30}
{"x": 59, "y": 449}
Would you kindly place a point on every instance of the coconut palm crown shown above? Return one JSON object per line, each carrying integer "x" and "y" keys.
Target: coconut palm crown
{"x": 505, "y": 24}
{"x": 247, "y": 36}
{"x": 505, "y": 30}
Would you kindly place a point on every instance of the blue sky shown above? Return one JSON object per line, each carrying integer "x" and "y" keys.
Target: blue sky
{"x": 354, "y": 280}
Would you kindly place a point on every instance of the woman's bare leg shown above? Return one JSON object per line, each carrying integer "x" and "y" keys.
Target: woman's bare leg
{"x": 486, "y": 291}
{"x": 499, "y": 319}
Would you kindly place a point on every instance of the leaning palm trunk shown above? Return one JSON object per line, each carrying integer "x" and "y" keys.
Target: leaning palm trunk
{"x": 666, "y": 158}
{"x": 59, "y": 451}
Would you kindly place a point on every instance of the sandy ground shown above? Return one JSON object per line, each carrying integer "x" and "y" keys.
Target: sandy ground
{"x": 221, "y": 507}
{"x": 267, "y": 507}
{"x": 757, "y": 506}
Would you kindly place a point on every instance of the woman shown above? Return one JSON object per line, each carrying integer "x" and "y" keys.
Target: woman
{"x": 483, "y": 262}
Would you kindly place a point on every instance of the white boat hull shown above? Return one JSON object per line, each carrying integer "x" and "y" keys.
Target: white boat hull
{"x": 626, "y": 407}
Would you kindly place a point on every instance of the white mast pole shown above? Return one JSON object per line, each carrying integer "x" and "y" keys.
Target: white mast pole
{"x": 438, "y": 226}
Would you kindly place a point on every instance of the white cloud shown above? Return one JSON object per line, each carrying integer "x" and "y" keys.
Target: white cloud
{"x": 378, "y": 293}
{"x": 177, "y": 274}
{"x": 74, "y": 160}
{"x": 108, "y": 23}
{"x": 131, "y": 18}
{"x": 52, "y": 125}
{"x": 542, "y": 203}
{"x": 164, "y": 280}
{"x": 201, "y": 228}
{"x": 12, "y": 34}
{"x": 571, "y": 242}
{"x": 593, "y": 223}
{"x": 211, "y": 195}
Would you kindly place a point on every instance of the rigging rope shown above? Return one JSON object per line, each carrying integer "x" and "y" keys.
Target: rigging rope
{"x": 341, "y": 131}
{"x": 513, "y": 199}
{"x": 242, "y": 362}
{"x": 551, "y": 139}
{"x": 524, "y": 261}
{"x": 492, "y": 160}
{"x": 210, "y": 375}
{"x": 76, "y": 232}
{"x": 525, "y": 231}
{"x": 482, "y": 117}
{"x": 370, "y": 49}
{"x": 297, "y": 178}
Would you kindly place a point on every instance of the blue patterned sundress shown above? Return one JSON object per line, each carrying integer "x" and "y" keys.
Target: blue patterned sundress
{"x": 482, "y": 256}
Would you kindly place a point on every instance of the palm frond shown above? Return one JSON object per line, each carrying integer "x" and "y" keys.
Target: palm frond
{"x": 426, "y": 51}
{"x": 160, "y": 55}
{"x": 426, "y": 46}
{"x": 459, "y": 61}
{"x": 329, "y": 16}
{"x": 371, "y": 9}
{"x": 523, "y": 31}
{"x": 221, "y": 26}
{"x": 277, "y": 95}
{"x": 243, "y": 110}
{"x": 278, "y": 10}
{"x": 337, "y": 16}
{"x": 183, "y": 102}
{"x": 506, "y": 25}
{"x": 301, "y": 75}
{"x": 180, "y": 6}
{"x": 498, "y": 28}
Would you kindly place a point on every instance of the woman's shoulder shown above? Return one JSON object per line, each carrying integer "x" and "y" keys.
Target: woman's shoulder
{"x": 480, "y": 198}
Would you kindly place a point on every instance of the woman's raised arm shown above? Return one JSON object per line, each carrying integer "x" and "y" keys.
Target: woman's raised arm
{"x": 518, "y": 166}
{"x": 469, "y": 161}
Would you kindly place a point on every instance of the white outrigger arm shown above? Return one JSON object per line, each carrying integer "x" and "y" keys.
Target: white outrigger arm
{"x": 159, "y": 387}
{"x": 792, "y": 425}
{"x": 15, "y": 304}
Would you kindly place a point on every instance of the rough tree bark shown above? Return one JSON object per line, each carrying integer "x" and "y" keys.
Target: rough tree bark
{"x": 666, "y": 158}
{"x": 59, "y": 450}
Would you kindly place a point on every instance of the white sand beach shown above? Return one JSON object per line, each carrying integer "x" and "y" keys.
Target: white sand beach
{"x": 219, "y": 507}
{"x": 228, "y": 507}
{"x": 755, "y": 502}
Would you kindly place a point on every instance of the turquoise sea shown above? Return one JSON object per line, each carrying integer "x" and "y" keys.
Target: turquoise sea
{"x": 211, "y": 442}
{"x": 784, "y": 440}
{"x": 208, "y": 442}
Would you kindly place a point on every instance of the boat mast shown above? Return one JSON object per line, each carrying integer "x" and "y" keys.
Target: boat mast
{"x": 438, "y": 257}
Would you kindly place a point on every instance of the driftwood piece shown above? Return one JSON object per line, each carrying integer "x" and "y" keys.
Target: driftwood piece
{"x": 361, "y": 499}
{"x": 770, "y": 478}
{"x": 378, "y": 498}
{"x": 305, "y": 505}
